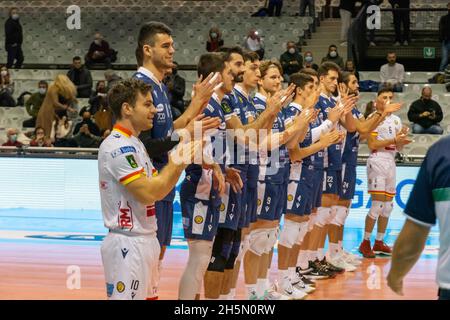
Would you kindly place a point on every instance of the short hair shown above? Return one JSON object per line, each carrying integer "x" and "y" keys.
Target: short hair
{"x": 384, "y": 89}
{"x": 300, "y": 79}
{"x": 11, "y": 10}
{"x": 267, "y": 64}
{"x": 391, "y": 52}
{"x": 228, "y": 51}
{"x": 210, "y": 62}
{"x": 43, "y": 82}
{"x": 327, "y": 67}
{"x": 76, "y": 58}
{"x": 250, "y": 56}
{"x": 344, "y": 77}
{"x": 332, "y": 46}
{"x": 126, "y": 91}
{"x": 309, "y": 71}
{"x": 147, "y": 35}
{"x": 426, "y": 87}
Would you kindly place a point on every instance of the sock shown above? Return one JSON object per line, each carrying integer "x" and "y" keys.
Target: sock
{"x": 302, "y": 260}
{"x": 367, "y": 235}
{"x": 267, "y": 283}
{"x": 313, "y": 255}
{"x": 320, "y": 254}
{"x": 380, "y": 236}
{"x": 251, "y": 289}
{"x": 232, "y": 294}
{"x": 283, "y": 275}
{"x": 223, "y": 297}
{"x": 334, "y": 250}
{"x": 341, "y": 247}
{"x": 260, "y": 287}
{"x": 292, "y": 274}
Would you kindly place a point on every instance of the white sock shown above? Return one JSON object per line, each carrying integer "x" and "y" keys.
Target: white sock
{"x": 313, "y": 255}
{"x": 341, "y": 247}
{"x": 267, "y": 283}
{"x": 302, "y": 260}
{"x": 283, "y": 275}
{"x": 291, "y": 273}
{"x": 334, "y": 250}
{"x": 367, "y": 235}
{"x": 251, "y": 289}
{"x": 380, "y": 236}
{"x": 320, "y": 254}
{"x": 232, "y": 294}
{"x": 260, "y": 287}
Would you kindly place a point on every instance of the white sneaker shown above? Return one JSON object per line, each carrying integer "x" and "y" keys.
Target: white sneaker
{"x": 272, "y": 294}
{"x": 298, "y": 284}
{"x": 351, "y": 258}
{"x": 340, "y": 263}
{"x": 288, "y": 290}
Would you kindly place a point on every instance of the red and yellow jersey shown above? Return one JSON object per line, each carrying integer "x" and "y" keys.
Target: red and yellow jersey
{"x": 386, "y": 130}
{"x": 122, "y": 158}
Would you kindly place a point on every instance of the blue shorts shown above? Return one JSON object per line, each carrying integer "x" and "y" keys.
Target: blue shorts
{"x": 317, "y": 188}
{"x": 231, "y": 209}
{"x": 271, "y": 201}
{"x": 300, "y": 192}
{"x": 200, "y": 219}
{"x": 164, "y": 220}
{"x": 332, "y": 182}
{"x": 252, "y": 199}
{"x": 348, "y": 182}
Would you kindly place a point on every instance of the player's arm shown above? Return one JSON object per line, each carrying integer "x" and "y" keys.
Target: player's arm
{"x": 327, "y": 139}
{"x": 364, "y": 126}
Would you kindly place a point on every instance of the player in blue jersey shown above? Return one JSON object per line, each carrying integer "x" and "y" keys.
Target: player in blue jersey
{"x": 200, "y": 199}
{"x": 154, "y": 54}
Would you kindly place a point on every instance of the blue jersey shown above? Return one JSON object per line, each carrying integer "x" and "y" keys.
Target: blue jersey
{"x": 198, "y": 181}
{"x": 273, "y": 167}
{"x": 333, "y": 154}
{"x": 351, "y": 145}
{"x": 163, "y": 121}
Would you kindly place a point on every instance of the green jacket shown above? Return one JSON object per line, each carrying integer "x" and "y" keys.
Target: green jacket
{"x": 34, "y": 103}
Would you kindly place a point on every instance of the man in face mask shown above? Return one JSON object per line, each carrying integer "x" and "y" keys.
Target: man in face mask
{"x": 291, "y": 60}
{"x": 99, "y": 52}
{"x": 309, "y": 61}
{"x": 13, "y": 39}
{"x": 214, "y": 41}
{"x": 12, "y": 138}
{"x": 33, "y": 104}
{"x": 425, "y": 114}
{"x": 333, "y": 56}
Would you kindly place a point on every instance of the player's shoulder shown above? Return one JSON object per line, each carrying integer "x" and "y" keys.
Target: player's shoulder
{"x": 440, "y": 148}
{"x": 117, "y": 143}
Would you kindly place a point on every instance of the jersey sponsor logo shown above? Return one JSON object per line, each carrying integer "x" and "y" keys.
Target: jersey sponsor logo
{"x": 132, "y": 162}
{"x": 160, "y": 108}
{"x": 226, "y": 107}
{"x": 120, "y": 286}
{"x": 116, "y": 135}
{"x": 222, "y": 206}
{"x": 259, "y": 202}
{"x": 290, "y": 197}
{"x": 198, "y": 219}
{"x": 125, "y": 217}
{"x": 109, "y": 289}
{"x": 122, "y": 150}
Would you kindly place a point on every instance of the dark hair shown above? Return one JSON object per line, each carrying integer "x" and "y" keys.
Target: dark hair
{"x": 126, "y": 91}
{"x": 327, "y": 67}
{"x": 76, "y": 58}
{"x": 300, "y": 79}
{"x": 332, "y": 46}
{"x": 210, "y": 62}
{"x": 384, "y": 89}
{"x": 370, "y": 108}
{"x": 344, "y": 77}
{"x": 250, "y": 56}
{"x": 267, "y": 64}
{"x": 147, "y": 36}
{"x": 43, "y": 82}
{"x": 309, "y": 71}
{"x": 11, "y": 10}
{"x": 228, "y": 51}
{"x": 38, "y": 128}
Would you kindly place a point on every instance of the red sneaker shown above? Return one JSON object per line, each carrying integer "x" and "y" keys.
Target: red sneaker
{"x": 366, "y": 249}
{"x": 382, "y": 248}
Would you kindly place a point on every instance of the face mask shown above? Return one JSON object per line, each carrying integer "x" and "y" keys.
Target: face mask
{"x": 101, "y": 94}
{"x": 13, "y": 138}
{"x": 4, "y": 73}
{"x": 213, "y": 35}
{"x": 15, "y": 16}
{"x": 291, "y": 50}
{"x": 333, "y": 54}
{"x": 308, "y": 59}
{"x": 98, "y": 42}
{"x": 42, "y": 91}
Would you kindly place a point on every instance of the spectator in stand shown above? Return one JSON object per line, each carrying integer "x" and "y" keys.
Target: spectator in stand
{"x": 12, "y": 135}
{"x": 425, "y": 114}
{"x": 99, "y": 52}
{"x": 177, "y": 87}
{"x": 6, "y": 88}
{"x": 346, "y": 9}
{"x": 311, "y": 8}
{"x": 14, "y": 39}
{"x": 60, "y": 98}
{"x": 98, "y": 98}
{"x": 81, "y": 78}
{"x": 333, "y": 56}
{"x": 291, "y": 60}
{"x": 350, "y": 67}
{"x": 309, "y": 61}
{"x": 275, "y": 6}
{"x": 87, "y": 120}
{"x": 111, "y": 79}
{"x": 215, "y": 40}
{"x": 255, "y": 43}
{"x": 401, "y": 17}
{"x": 39, "y": 139}
{"x": 61, "y": 134}
{"x": 86, "y": 139}
{"x": 444, "y": 38}
{"x": 393, "y": 73}
{"x": 33, "y": 104}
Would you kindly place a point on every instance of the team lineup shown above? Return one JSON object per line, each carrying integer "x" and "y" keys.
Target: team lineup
{"x": 265, "y": 154}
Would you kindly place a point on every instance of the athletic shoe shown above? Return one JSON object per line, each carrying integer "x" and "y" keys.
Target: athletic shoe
{"x": 318, "y": 272}
{"x": 272, "y": 294}
{"x": 366, "y": 249}
{"x": 382, "y": 248}
{"x": 253, "y": 296}
{"x": 298, "y": 284}
{"x": 331, "y": 267}
{"x": 303, "y": 271}
{"x": 341, "y": 263}
{"x": 351, "y": 258}
{"x": 309, "y": 282}
{"x": 292, "y": 293}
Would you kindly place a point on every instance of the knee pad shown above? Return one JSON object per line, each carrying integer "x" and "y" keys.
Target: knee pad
{"x": 273, "y": 237}
{"x": 332, "y": 215}
{"x": 312, "y": 221}
{"x": 289, "y": 233}
{"x": 323, "y": 216}
{"x": 200, "y": 255}
{"x": 376, "y": 209}
{"x": 258, "y": 241}
{"x": 223, "y": 242}
{"x": 387, "y": 210}
{"x": 229, "y": 265}
{"x": 245, "y": 245}
{"x": 302, "y": 233}
{"x": 341, "y": 216}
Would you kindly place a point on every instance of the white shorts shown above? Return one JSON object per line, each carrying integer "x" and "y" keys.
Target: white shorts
{"x": 381, "y": 173}
{"x": 131, "y": 266}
